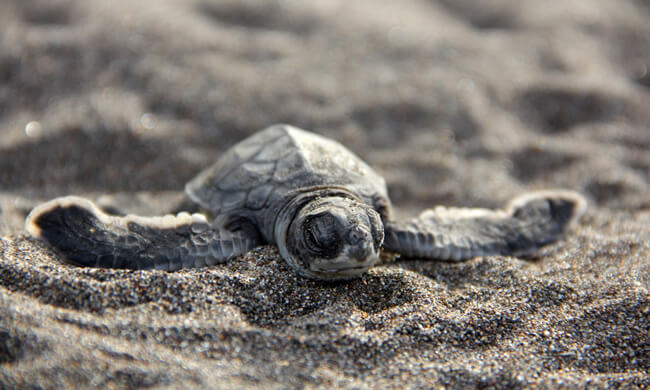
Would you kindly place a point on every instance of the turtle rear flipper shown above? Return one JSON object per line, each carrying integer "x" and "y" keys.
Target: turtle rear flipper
{"x": 528, "y": 223}
{"x": 87, "y": 236}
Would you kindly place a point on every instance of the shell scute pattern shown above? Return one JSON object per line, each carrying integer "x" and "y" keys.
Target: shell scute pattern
{"x": 290, "y": 167}
{"x": 275, "y": 149}
{"x": 258, "y": 196}
{"x": 244, "y": 178}
{"x": 231, "y": 199}
{"x": 330, "y": 163}
{"x": 267, "y": 165}
{"x": 247, "y": 150}
{"x": 228, "y": 183}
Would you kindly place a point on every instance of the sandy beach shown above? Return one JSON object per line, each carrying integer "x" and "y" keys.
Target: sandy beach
{"x": 454, "y": 102}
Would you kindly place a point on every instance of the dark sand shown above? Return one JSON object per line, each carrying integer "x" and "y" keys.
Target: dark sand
{"x": 454, "y": 102}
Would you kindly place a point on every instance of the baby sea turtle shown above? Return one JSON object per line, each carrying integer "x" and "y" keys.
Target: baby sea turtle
{"x": 326, "y": 210}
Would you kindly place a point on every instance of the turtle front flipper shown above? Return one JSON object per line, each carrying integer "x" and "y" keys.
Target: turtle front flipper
{"x": 87, "y": 236}
{"x": 526, "y": 224}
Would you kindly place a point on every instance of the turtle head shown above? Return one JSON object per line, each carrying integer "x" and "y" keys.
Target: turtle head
{"x": 332, "y": 238}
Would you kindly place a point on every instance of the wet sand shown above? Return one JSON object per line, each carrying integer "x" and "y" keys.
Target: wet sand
{"x": 454, "y": 102}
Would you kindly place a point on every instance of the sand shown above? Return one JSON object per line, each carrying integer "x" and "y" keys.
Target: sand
{"x": 454, "y": 102}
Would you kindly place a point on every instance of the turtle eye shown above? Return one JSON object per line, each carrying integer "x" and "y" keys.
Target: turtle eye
{"x": 320, "y": 233}
{"x": 377, "y": 231}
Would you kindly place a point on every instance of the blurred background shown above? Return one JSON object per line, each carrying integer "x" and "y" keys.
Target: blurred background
{"x": 453, "y": 101}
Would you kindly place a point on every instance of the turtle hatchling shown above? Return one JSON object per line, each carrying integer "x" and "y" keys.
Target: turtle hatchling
{"x": 326, "y": 210}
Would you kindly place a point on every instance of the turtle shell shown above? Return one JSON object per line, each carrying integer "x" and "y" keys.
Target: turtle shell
{"x": 263, "y": 168}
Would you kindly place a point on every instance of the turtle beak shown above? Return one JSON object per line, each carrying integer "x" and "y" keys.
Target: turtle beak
{"x": 361, "y": 252}
{"x": 361, "y": 243}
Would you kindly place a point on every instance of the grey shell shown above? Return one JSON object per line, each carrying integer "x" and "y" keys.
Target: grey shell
{"x": 264, "y": 168}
